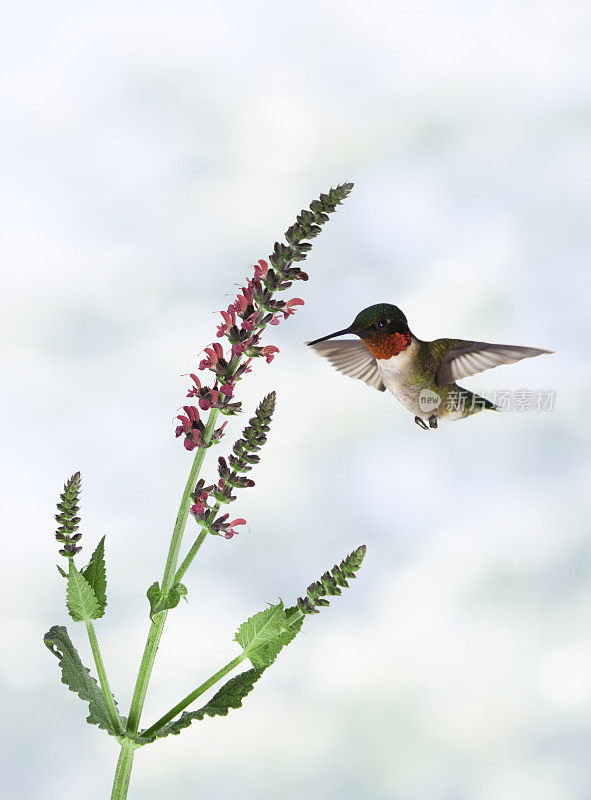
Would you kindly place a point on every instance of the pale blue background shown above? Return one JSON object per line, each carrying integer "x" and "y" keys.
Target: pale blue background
{"x": 150, "y": 153}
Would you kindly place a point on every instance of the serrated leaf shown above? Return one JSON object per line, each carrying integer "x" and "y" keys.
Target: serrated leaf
{"x": 267, "y": 653}
{"x": 229, "y": 696}
{"x": 81, "y": 599}
{"x": 77, "y": 677}
{"x": 263, "y": 635}
{"x": 163, "y": 602}
{"x": 261, "y": 627}
{"x": 96, "y": 575}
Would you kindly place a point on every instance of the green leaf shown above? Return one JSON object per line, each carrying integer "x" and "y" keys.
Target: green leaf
{"x": 81, "y": 599}
{"x": 163, "y": 602}
{"x": 96, "y": 575}
{"x": 265, "y": 634}
{"x": 154, "y": 596}
{"x": 229, "y": 696}
{"x": 61, "y": 571}
{"x": 77, "y": 677}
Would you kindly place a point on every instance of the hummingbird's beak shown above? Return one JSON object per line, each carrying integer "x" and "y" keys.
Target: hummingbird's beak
{"x": 330, "y": 336}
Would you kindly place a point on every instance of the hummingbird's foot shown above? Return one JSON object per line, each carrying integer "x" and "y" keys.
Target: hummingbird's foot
{"x": 433, "y": 421}
{"x": 421, "y": 423}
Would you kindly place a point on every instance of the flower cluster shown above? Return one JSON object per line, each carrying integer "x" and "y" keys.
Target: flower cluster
{"x": 193, "y": 429}
{"x": 67, "y": 517}
{"x": 231, "y": 476}
{"x": 331, "y": 582}
{"x": 207, "y": 517}
{"x": 246, "y": 318}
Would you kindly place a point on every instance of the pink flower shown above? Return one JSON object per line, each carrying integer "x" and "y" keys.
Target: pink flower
{"x": 207, "y": 396}
{"x": 229, "y": 318}
{"x": 260, "y": 269}
{"x": 200, "y": 504}
{"x": 238, "y": 348}
{"x": 288, "y": 309}
{"x": 214, "y": 354}
{"x": 243, "y": 302}
{"x": 191, "y": 427}
{"x": 231, "y": 532}
{"x": 269, "y": 352}
{"x": 209, "y": 399}
{"x": 249, "y": 323}
{"x": 187, "y": 422}
{"x": 219, "y": 432}
{"x": 222, "y": 527}
{"x": 194, "y": 390}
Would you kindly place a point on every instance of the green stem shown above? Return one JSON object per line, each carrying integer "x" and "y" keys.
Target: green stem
{"x": 102, "y": 673}
{"x": 295, "y": 617}
{"x": 195, "y": 548}
{"x": 192, "y": 696}
{"x": 182, "y": 516}
{"x": 123, "y": 771}
{"x": 147, "y": 663}
{"x": 145, "y": 671}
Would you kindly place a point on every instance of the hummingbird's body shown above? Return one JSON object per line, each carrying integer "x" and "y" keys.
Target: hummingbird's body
{"x": 410, "y": 376}
{"x": 421, "y": 375}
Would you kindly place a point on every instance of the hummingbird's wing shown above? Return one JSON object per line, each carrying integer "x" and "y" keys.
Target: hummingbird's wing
{"x": 352, "y": 359}
{"x": 461, "y": 358}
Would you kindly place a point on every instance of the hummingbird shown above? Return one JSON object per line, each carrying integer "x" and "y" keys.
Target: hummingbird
{"x": 421, "y": 375}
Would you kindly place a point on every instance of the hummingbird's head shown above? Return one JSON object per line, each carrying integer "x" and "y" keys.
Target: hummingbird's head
{"x": 383, "y": 328}
{"x": 381, "y": 319}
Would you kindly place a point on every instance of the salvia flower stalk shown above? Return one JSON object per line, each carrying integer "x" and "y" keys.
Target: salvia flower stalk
{"x": 213, "y": 385}
{"x": 66, "y": 516}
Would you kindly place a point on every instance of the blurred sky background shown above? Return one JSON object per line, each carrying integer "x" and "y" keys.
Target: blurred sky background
{"x": 150, "y": 154}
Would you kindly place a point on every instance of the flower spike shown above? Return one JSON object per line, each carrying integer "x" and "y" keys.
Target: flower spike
{"x": 243, "y": 456}
{"x": 68, "y": 518}
{"x": 231, "y": 473}
{"x": 255, "y": 307}
{"x": 331, "y": 582}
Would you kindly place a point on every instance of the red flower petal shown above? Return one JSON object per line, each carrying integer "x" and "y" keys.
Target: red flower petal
{"x": 269, "y": 352}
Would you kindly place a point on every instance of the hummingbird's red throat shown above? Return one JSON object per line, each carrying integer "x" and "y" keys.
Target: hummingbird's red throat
{"x": 388, "y": 344}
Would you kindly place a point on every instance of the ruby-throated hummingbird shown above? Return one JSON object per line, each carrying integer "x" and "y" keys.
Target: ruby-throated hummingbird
{"x": 421, "y": 375}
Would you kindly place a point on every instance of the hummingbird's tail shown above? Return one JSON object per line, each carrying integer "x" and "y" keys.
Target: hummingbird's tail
{"x": 484, "y": 403}
{"x": 468, "y": 403}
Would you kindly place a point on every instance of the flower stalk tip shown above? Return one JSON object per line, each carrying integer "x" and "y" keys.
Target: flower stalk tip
{"x": 331, "y": 582}
{"x": 68, "y": 518}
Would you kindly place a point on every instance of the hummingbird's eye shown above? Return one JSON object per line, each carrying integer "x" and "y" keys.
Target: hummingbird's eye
{"x": 381, "y": 323}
